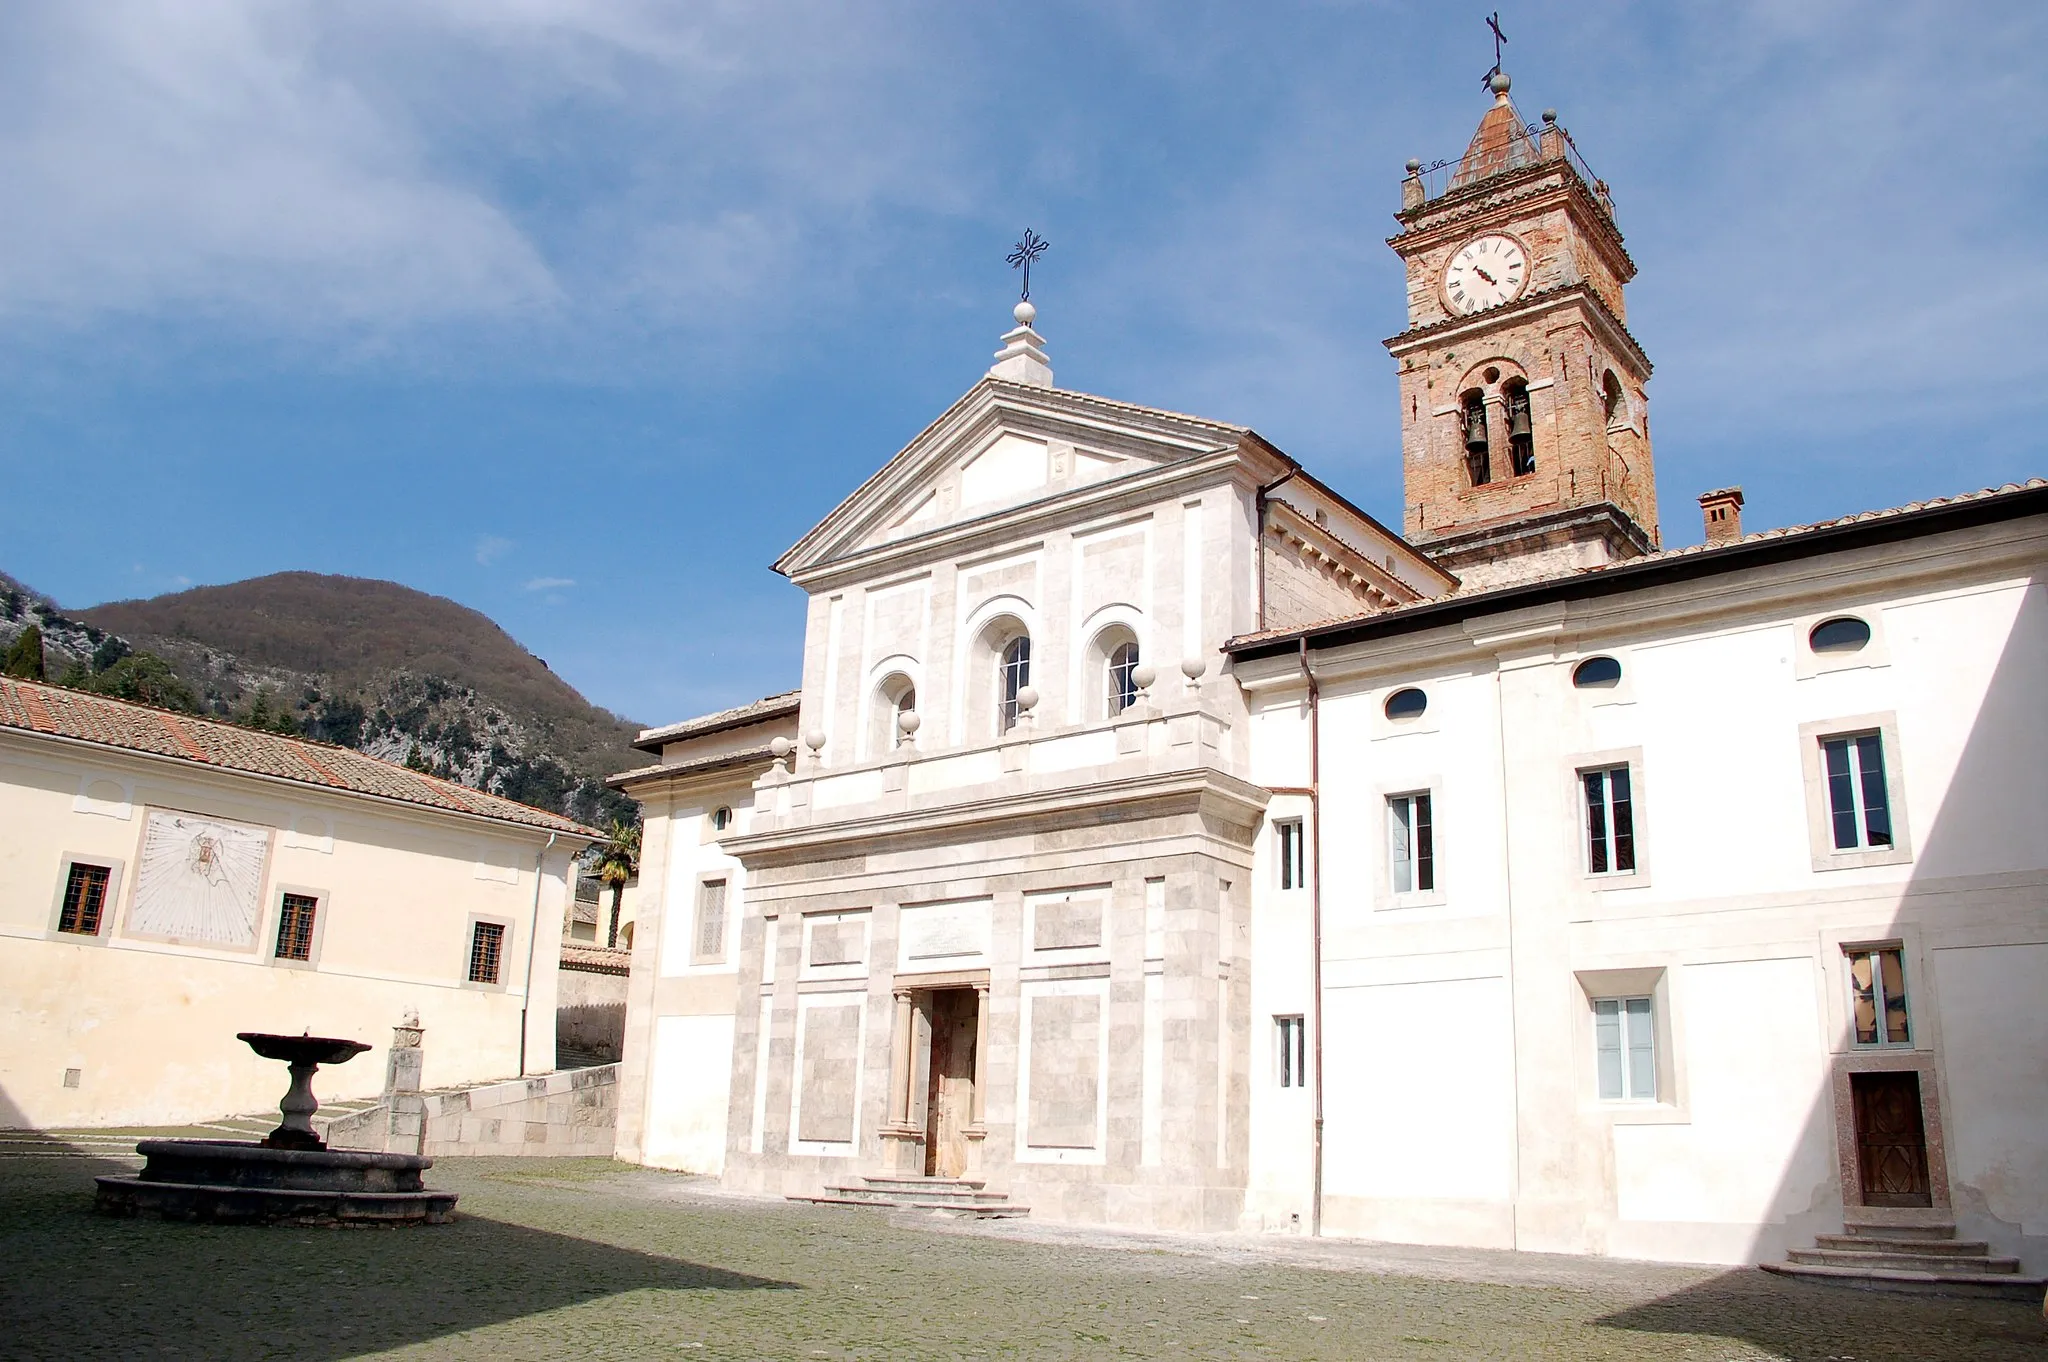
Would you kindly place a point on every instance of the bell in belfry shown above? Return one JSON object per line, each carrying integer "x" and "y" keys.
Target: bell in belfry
{"x": 1475, "y": 428}
{"x": 1518, "y": 420}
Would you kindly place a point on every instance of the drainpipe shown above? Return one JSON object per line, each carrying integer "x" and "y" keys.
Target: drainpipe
{"x": 532, "y": 940}
{"x": 1315, "y": 917}
{"x": 1259, "y": 539}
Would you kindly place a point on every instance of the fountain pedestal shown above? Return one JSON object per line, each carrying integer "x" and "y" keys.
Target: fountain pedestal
{"x": 291, "y": 1176}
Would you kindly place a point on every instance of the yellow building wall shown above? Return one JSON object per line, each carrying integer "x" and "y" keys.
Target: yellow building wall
{"x": 149, "y": 1025}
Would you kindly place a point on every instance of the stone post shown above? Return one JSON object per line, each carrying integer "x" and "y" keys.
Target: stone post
{"x": 406, "y": 1111}
{"x": 977, "y": 1126}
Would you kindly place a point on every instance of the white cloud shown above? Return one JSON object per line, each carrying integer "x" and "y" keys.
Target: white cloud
{"x": 490, "y": 548}
{"x": 550, "y": 583}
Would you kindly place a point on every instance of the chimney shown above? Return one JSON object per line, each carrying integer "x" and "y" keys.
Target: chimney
{"x": 1723, "y": 511}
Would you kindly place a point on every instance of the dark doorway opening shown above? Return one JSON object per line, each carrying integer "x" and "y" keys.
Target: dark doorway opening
{"x": 1891, "y": 1139}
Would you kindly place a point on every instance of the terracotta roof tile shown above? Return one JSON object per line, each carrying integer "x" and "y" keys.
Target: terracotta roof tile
{"x": 54, "y": 711}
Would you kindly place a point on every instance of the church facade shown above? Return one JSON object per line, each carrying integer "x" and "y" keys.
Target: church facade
{"x": 1157, "y": 839}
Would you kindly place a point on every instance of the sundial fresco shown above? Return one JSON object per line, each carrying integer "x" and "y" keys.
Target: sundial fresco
{"x": 201, "y": 879}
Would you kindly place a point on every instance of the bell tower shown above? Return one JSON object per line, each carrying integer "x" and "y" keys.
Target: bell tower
{"x": 1525, "y": 435}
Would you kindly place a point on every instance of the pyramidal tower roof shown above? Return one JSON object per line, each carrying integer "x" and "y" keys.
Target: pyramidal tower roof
{"x": 1501, "y": 142}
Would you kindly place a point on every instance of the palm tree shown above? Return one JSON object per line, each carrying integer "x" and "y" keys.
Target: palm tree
{"x": 618, "y": 860}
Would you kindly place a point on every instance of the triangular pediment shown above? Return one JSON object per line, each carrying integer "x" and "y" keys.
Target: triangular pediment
{"x": 1003, "y": 446}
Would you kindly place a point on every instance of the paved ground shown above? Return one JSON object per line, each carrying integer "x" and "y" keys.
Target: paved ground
{"x": 584, "y": 1259}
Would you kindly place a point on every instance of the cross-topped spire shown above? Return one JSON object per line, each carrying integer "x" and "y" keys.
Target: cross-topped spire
{"x": 1028, "y": 250}
{"x": 1500, "y": 40}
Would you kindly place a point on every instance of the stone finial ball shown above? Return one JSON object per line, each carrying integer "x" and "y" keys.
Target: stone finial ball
{"x": 1025, "y": 314}
{"x": 1414, "y": 166}
{"x": 908, "y": 721}
{"x": 1500, "y": 83}
{"x": 1550, "y": 115}
{"x": 1143, "y": 675}
{"x": 781, "y": 747}
{"x": 815, "y": 739}
{"x": 1027, "y": 698}
{"x": 1193, "y": 667}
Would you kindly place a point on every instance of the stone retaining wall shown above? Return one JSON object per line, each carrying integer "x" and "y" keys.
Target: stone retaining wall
{"x": 571, "y": 1113}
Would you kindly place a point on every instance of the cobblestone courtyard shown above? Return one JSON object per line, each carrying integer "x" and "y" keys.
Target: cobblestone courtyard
{"x": 581, "y": 1259}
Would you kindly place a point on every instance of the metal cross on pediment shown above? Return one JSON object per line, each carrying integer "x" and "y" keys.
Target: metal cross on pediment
{"x": 1028, "y": 250}
{"x": 1499, "y": 41}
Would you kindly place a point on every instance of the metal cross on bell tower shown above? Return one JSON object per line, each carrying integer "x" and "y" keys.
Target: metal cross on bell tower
{"x": 1028, "y": 250}
{"x": 1500, "y": 40}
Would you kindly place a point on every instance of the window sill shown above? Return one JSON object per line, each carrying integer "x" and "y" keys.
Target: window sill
{"x": 1858, "y": 860}
{"x": 1616, "y": 879}
{"x": 1433, "y": 898}
{"x": 1641, "y": 1113}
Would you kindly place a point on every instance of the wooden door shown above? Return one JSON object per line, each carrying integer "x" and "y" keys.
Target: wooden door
{"x": 1891, "y": 1142}
{"x": 951, "y": 1094}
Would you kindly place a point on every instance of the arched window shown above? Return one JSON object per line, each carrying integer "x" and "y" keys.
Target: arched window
{"x": 1013, "y": 675}
{"x": 1521, "y": 430}
{"x": 1842, "y": 634}
{"x": 894, "y": 698}
{"x": 1613, "y": 400}
{"x": 1597, "y": 673}
{"x": 1123, "y": 686}
{"x": 1477, "y": 461}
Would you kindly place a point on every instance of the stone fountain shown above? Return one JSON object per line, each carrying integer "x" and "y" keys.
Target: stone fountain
{"x": 290, "y": 1175}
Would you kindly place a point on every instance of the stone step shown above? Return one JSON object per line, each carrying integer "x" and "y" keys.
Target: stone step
{"x": 922, "y": 1184}
{"x": 1881, "y": 1231}
{"x": 2000, "y": 1286}
{"x": 945, "y": 1195}
{"x": 1966, "y": 1264}
{"x": 1894, "y": 1243}
{"x": 973, "y": 1211}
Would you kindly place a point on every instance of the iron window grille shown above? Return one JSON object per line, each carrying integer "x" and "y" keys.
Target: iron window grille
{"x": 295, "y": 927}
{"x": 486, "y": 952}
{"x": 85, "y": 898}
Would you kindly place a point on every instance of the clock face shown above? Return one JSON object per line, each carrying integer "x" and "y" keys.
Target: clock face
{"x": 1486, "y": 272}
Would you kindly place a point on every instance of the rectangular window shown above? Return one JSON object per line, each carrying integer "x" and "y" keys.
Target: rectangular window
{"x": 85, "y": 897}
{"x": 486, "y": 952}
{"x": 1610, "y": 822}
{"x": 1411, "y": 843}
{"x": 1291, "y": 1066}
{"x": 1289, "y": 833}
{"x": 295, "y": 927}
{"x": 1625, "y": 1049}
{"x": 1857, "y": 804}
{"x": 1877, "y": 996}
{"x": 710, "y": 921}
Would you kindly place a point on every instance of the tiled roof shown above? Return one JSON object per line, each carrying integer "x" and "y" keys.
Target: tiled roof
{"x": 668, "y": 770}
{"x": 1477, "y": 599}
{"x": 59, "y": 712}
{"x": 596, "y": 959}
{"x": 753, "y": 712}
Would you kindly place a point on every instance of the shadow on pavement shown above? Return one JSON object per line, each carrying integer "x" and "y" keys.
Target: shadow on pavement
{"x": 81, "y": 1285}
{"x": 1785, "y": 1317}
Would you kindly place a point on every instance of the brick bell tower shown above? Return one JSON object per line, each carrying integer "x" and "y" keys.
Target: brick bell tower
{"x": 1525, "y": 433}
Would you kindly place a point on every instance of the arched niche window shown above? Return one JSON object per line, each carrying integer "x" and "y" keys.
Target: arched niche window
{"x": 1612, "y": 400}
{"x": 894, "y": 698}
{"x": 1013, "y": 674}
{"x": 1478, "y": 461}
{"x": 1521, "y": 429}
{"x": 1597, "y": 673}
{"x": 721, "y": 818}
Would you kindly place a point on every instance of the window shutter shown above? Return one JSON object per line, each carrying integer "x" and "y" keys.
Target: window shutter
{"x": 1607, "y": 1047}
{"x": 711, "y": 920}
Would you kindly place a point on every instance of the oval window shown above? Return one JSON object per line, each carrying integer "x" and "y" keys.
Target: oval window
{"x": 1597, "y": 673}
{"x": 721, "y": 819}
{"x": 1405, "y": 704}
{"x": 1842, "y": 634}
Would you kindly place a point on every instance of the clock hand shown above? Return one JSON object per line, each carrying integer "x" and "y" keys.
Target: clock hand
{"x": 1480, "y": 270}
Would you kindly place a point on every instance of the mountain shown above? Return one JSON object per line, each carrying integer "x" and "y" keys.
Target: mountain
{"x": 368, "y": 664}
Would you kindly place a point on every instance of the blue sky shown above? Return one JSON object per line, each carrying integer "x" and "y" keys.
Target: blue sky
{"x": 581, "y": 313}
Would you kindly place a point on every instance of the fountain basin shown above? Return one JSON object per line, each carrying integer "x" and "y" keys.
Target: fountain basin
{"x": 233, "y": 1181}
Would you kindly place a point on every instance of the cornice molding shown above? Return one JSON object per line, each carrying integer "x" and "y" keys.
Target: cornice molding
{"x": 1453, "y": 330}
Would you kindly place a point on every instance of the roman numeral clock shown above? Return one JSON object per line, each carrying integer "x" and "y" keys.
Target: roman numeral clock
{"x": 1489, "y": 271}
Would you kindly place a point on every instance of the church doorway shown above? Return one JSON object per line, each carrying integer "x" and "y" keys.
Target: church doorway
{"x": 950, "y": 1098}
{"x": 1891, "y": 1139}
